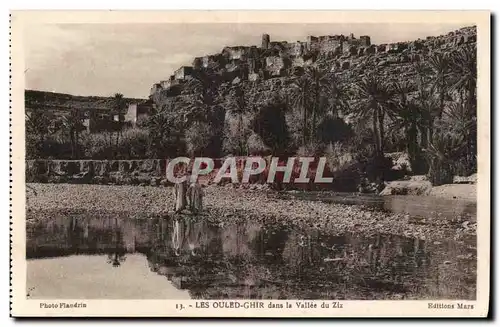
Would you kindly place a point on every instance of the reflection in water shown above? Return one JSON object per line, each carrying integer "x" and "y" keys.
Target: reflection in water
{"x": 413, "y": 205}
{"x": 91, "y": 277}
{"x": 252, "y": 260}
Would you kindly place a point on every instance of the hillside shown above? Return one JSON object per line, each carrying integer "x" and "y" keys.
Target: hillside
{"x": 63, "y": 102}
{"x": 262, "y": 72}
{"x": 268, "y": 70}
{"x": 335, "y": 96}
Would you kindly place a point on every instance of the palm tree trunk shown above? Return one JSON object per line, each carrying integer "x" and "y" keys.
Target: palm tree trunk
{"x": 376, "y": 132}
{"x": 313, "y": 126}
{"x": 441, "y": 97}
{"x": 241, "y": 133}
{"x": 304, "y": 120}
{"x": 72, "y": 141}
{"x": 315, "y": 109}
{"x": 117, "y": 133}
{"x": 77, "y": 150}
{"x": 381, "y": 117}
{"x": 430, "y": 127}
{"x": 471, "y": 99}
{"x": 412, "y": 145}
{"x": 423, "y": 138}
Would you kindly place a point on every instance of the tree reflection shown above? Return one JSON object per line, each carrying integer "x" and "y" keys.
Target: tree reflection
{"x": 119, "y": 253}
{"x": 116, "y": 259}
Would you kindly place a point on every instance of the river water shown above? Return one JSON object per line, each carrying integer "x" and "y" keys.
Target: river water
{"x": 118, "y": 258}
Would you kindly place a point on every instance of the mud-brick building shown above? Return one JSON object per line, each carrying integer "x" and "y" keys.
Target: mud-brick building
{"x": 100, "y": 122}
{"x": 183, "y": 73}
{"x": 138, "y": 111}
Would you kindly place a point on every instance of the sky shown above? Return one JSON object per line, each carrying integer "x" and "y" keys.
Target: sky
{"x": 104, "y": 59}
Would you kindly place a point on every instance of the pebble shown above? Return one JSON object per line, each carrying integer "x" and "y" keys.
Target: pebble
{"x": 228, "y": 204}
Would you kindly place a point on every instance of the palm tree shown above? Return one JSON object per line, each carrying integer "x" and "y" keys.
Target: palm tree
{"x": 423, "y": 73}
{"x": 427, "y": 104}
{"x": 195, "y": 109}
{"x": 425, "y": 100}
{"x": 319, "y": 82}
{"x": 119, "y": 106}
{"x": 39, "y": 124}
{"x": 73, "y": 125}
{"x": 440, "y": 154}
{"x": 464, "y": 74}
{"x": 459, "y": 116}
{"x": 301, "y": 100}
{"x": 465, "y": 126}
{"x": 408, "y": 115}
{"x": 440, "y": 66}
{"x": 204, "y": 82}
{"x": 239, "y": 106}
{"x": 159, "y": 127}
{"x": 338, "y": 96}
{"x": 374, "y": 100}
{"x": 118, "y": 254}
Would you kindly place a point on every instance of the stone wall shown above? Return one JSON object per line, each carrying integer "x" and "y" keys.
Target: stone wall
{"x": 295, "y": 49}
{"x": 327, "y": 45}
{"x": 128, "y": 172}
{"x": 183, "y": 72}
{"x": 150, "y": 172}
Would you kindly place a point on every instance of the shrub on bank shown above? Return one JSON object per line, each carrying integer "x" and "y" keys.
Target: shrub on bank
{"x": 130, "y": 144}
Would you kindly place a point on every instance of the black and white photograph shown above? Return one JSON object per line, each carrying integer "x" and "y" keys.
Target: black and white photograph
{"x": 245, "y": 166}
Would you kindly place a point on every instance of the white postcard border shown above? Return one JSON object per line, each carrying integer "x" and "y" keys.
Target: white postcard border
{"x": 21, "y": 306}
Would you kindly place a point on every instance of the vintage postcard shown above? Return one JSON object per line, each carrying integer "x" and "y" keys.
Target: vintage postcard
{"x": 250, "y": 163}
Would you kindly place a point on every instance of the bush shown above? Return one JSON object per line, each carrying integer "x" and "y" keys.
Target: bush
{"x": 312, "y": 149}
{"x": 270, "y": 125}
{"x": 332, "y": 130}
{"x": 337, "y": 157}
{"x": 236, "y": 134}
{"x": 444, "y": 156}
{"x": 256, "y": 146}
{"x": 132, "y": 144}
{"x": 376, "y": 168}
{"x": 98, "y": 146}
{"x": 440, "y": 172}
{"x": 198, "y": 138}
{"x": 53, "y": 147}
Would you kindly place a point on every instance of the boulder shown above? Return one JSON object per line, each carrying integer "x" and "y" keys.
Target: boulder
{"x": 407, "y": 188}
{"x": 472, "y": 179}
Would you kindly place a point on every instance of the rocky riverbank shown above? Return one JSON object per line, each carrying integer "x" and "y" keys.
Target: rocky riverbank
{"x": 228, "y": 204}
{"x": 151, "y": 172}
{"x": 464, "y": 188}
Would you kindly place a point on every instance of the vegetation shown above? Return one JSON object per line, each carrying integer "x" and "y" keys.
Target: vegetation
{"x": 433, "y": 119}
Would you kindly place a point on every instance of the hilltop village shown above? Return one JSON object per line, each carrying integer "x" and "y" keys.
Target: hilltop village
{"x": 272, "y": 59}
{"x": 391, "y": 128}
{"x": 260, "y": 71}
{"x": 334, "y": 95}
{"x": 347, "y": 56}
